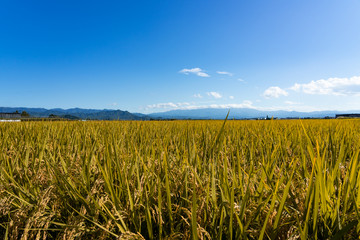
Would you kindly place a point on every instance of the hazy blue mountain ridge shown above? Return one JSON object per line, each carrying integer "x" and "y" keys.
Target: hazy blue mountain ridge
{"x": 241, "y": 113}
{"x": 205, "y": 113}
{"x": 93, "y": 114}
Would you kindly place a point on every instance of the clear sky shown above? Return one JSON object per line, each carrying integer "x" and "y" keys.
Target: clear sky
{"x": 149, "y": 56}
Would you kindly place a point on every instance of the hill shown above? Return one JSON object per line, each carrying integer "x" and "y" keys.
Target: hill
{"x": 78, "y": 113}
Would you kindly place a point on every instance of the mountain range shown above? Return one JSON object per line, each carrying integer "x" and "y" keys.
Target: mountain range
{"x": 242, "y": 113}
{"x": 206, "y": 113}
{"x": 78, "y": 113}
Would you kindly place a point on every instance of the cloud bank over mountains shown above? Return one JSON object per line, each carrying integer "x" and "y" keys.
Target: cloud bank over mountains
{"x": 331, "y": 86}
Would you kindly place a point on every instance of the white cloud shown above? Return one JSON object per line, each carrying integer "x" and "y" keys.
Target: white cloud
{"x": 188, "y": 106}
{"x": 214, "y": 94}
{"x": 244, "y": 104}
{"x": 231, "y": 97}
{"x": 291, "y": 103}
{"x": 331, "y": 86}
{"x": 114, "y": 104}
{"x": 224, "y": 73}
{"x": 274, "y": 92}
{"x": 241, "y": 80}
{"x": 198, "y": 95}
{"x": 168, "y": 105}
{"x": 163, "y": 105}
{"x": 197, "y": 71}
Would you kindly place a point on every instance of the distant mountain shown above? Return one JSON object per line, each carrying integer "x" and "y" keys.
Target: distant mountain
{"x": 141, "y": 115}
{"x": 241, "y": 113}
{"x": 78, "y": 113}
{"x": 205, "y": 113}
{"x": 109, "y": 115}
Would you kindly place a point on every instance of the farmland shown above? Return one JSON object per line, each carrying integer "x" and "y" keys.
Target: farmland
{"x": 278, "y": 179}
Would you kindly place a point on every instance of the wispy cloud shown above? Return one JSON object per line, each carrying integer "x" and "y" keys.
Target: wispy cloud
{"x": 197, "y": 71}
{"x": 241, "y": 80}
{"x": 214, "y": 95}
{"x": 188, "y": 106}
{"x": 292, "y": 103}
{"x": 231, "y": 97}
{"x": 274, "y": 92}
{"x": 198, "y": 95}
{"x": 289, "y": 106}
{"x": 168, "y": 105}
{"x": 331, "y": 86}
{"x": 224, "y": 73}
{"x": 244, "y": 104}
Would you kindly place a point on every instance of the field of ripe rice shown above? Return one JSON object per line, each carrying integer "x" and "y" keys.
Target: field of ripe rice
{"x": 278, "y": 179}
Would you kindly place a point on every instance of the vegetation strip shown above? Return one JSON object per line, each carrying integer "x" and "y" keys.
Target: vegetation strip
{"x": 278, "y": 179}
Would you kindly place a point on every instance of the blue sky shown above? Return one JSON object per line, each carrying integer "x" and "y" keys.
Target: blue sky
{"x": 149, "y": 56}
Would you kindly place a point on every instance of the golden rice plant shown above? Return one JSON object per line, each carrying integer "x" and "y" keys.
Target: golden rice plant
{"x": 278, "y": 179}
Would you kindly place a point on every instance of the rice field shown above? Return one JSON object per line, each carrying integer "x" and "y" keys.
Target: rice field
{"x": 278, "y": 179}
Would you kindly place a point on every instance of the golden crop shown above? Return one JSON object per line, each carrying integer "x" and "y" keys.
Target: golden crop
{"x": 278, "y": 179}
